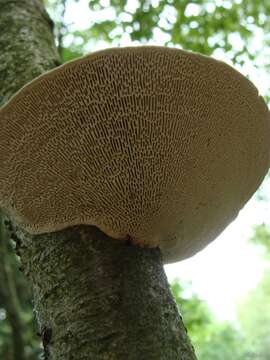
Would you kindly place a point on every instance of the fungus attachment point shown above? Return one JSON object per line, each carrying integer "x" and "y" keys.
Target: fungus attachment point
{"x": 131, "y": 241}
{"x": 160, "y": 143}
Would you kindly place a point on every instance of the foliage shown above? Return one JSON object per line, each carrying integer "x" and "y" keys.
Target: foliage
{"x": 254, "y": 316}
{"x": 254, "y": 309}
{"x": 212, "y": 339}
{"x": 33, "y": 347}
{"x": 261, "y": 237}
{"x": 201, "y": 25}
{"x": 195, "y": 312}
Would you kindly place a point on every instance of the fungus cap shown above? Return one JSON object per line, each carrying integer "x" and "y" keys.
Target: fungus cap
{"x": 158, "y": 145}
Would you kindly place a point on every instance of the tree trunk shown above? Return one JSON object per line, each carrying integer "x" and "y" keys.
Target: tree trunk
{"x": 100, "y": 298}
{"x": 27, "y": 49}
{"x": 95, "y": 297}
{"x": 26, "y": 43}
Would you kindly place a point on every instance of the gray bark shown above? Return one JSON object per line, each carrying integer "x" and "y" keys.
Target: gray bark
{"x": 99, "y": 298}
{"x": 26, "y": 43}
{"x": 24, "y": 37}
{"x": 95, "y": 297}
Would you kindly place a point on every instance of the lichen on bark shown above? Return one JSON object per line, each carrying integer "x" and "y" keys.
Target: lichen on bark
{"x": 26, "y": 43}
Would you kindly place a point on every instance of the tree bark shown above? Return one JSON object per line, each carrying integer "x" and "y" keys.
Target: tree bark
{"x": 26, "y": 43}
{"x": 101, "y": 298}
{"x": 27, "y": 50}
{"x": 95, "y": 297}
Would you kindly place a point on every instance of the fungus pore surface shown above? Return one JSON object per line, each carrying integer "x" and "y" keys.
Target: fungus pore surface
{"x": 153, "y": 144}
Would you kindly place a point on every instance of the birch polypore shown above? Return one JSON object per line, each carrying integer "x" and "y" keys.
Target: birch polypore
{"x": 153, "y": 144}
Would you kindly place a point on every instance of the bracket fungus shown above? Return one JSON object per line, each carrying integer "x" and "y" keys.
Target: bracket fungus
{"x": 158, "y": 145}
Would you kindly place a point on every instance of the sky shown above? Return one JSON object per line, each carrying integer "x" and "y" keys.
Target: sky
{"x": 224, "y": 272}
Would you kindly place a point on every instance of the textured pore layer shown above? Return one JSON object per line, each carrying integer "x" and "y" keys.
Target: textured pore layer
{"x": 153, "y": 144}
